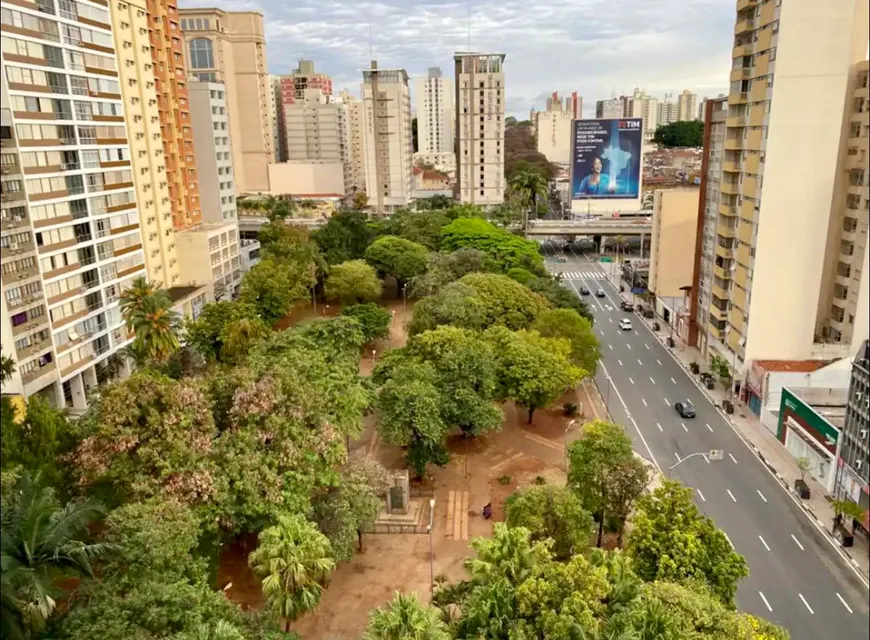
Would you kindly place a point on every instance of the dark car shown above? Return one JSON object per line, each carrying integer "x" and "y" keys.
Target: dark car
{"x": 626, "y": 306}
{"x": 584, "y": 290}
{"x": 599, "y": 292}
{"x": 685, "y": 408}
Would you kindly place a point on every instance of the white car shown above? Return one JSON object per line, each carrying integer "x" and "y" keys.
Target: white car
{"x": 625, "y": 324}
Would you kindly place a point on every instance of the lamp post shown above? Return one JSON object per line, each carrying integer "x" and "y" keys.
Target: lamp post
{"x": 567, "y": 429}
{"x": 374, "y": 353}
{"x": 709, "y": 456}
{"x": 431, "y": 557}
{"x": 404, "y": 297}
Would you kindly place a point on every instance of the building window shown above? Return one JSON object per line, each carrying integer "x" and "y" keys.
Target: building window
{"x": 201, "y": 54}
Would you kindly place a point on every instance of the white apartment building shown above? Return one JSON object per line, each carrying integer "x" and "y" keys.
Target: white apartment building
{"x": 69, "y": 219}
{"x": 642, "y": 105}
{"x": 668, "y": 112}
{"x": 388, "y": 139}
{"x": 610, "y": 109}
{"x": 480, "y": 108}
{"x": 553, "y": 131}
{"x": 210, "y": 253}
{"x": 687, "y": 106}
{"x": 355, "y": 140}
{"x": 433, "y": 96}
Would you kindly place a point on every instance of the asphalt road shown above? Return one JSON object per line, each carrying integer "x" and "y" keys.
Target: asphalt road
{"x": 797, "y": 578}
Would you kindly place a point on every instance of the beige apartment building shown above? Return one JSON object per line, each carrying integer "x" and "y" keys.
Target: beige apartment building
{"x": 209, "y": 253}
{"x": 69, "y": 218}
{"x": 356, "y": 140}
{"x": 138, "y": 88}
{"x": 480, "y": 107}
{"x": 687, "y": 106}
{"x": 230, "y": 47}
{"x": 610, "y": 109}
{"x": 788, "y": 254}
{"x": 553, "y": 130}
{"x": 433, "y": 95}
{"x": 643, "y": 105}
{"x": 388, "y": 139}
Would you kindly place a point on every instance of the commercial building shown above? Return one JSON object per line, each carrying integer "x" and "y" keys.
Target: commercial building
{"x": 433, "y": 95}
{"x": 388, "y": 140}
{"x": 69, "y": 220}
{"x": 687, "y": 106}
{"x": 480, "y": 107}
{"x": 311, "y": 179}
{"x": 230, "y": 47}
{"x": 209, "y": 253}
{"x": 853, "y": 468}
{"x": 553, "y": 128}
{"x": 790, "y": 266}
{"x": 610, "y": 109}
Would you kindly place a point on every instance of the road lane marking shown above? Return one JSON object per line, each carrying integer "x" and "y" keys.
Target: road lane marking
{"x": 639, "y": 362}
{"x": 659, "y": 361}
{"x": 848, "y": 608}
{"x": 631, "y": 381}
{"x": 702, "y": 495}
{"x": 764, "y": 543}
{"x": 651, "y": 378}
{"x": 733, "y": 459}
{"x": 674, "y": 381}
{"x": 731, "y": 494}
{"x": 797, "y": 542}
{"x": 762, "y": 495}
{"x": 685, "y": 428}
{"x": 628, "y": 345}
{"x": 644, "y": 402}
{"x": 659, "y": 426}
{"x": 728, "y": 539}
{"x": 679, "y": 459}
{"x": 646, "y": 345}
{"x": 806, "y": 604}
{"x": 611, "y": 319}
{"x": 766, "y": 603}
{"x": 620, "y": 362}
{"x": 635, "y": 332}
{"x": 610, "y": 346}
{"x": 667, "y": 402}
{"x": 709, "y": 428}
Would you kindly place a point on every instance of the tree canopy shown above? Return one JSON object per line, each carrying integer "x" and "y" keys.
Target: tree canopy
{"x": 398, "y": 257}
{"x": 504, "y": 248}
{"x": 353, "y": 282}
{"x": 685, "y": 133}
{"x": 552, "y": 512}
{"x": 272, "y": 286}
{"x": 568, "y": 324}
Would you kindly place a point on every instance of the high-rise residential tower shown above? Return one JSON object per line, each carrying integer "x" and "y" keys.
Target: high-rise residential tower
{"x": 642, "y": 105}
{"x": 610, "y": 109}
{"x": 230, "y": 47}
{"x": 388, "y": 140}
{"x": 668, "y": 111}
{"x": 356, "y": 140}
{"x": 433, "y": 95}
{"x": 479, "y": 131}
{"x": 304, "y": 77}
{"x": 69, "y": 219}
{"x": 687, "y": 106}
{"x": 789, "y": 273}
{"x": 553, "y": 128}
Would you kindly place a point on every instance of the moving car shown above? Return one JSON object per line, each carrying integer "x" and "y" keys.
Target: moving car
{"x": 685, "y": 408}
{"x": 626, "y": 306}
{"x": 599, "y": 292}
{"x": 584, "y": 290}
{"x": 625, "y": 324}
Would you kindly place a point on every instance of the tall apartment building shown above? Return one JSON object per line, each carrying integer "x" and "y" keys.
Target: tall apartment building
{"x": 214, "y": 150}
{"x": 852, "y": 480}
{"x": 170, "y": 76}
{"x": 139, "y": 90}
{"x": 687, "y": 106}
{"x": 789, "y": 273}
{"x": 230, "y": 47}
{"x": 610, "y": 109}
{"x": 668, "y": 111}
{"x": 276, "y": 114}
{"x": 304, "y": 77}
{"x": 355, "y": 140}
{"x": 480, "y": 107}
{"x": 642, "y": 105}
{"x": 553, "y": 128}
{"x": 434, "y": 100}
{"x": 69, "y": 220}
{"x": 388, "y": 140}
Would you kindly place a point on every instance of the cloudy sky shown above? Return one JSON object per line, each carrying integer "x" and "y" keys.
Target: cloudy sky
{"x": 596, "y": 47}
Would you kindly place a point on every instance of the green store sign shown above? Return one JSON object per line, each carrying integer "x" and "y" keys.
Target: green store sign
{"x": 808, "y": 417}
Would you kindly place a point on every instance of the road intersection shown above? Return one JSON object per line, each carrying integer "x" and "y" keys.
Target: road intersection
{"x": 796, "y": 578}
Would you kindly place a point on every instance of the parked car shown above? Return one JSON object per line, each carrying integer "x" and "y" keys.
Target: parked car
{"x": 599, "y": 292}
{"x": 626, "y": 306}
{"x": 685, "y": 408}
{"x": 625, "y": 324}
{"x": 584, "y": 290}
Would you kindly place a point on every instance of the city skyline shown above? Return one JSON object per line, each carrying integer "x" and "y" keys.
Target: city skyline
{"x": 630, "y": 52}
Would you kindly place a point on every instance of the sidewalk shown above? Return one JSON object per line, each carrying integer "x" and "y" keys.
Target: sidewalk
{"x": 767, "y": 448}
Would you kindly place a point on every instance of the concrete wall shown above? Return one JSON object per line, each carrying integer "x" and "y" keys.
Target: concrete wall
{"x": 828, "y": 385}
{"x": 306, "y": 179}
{"x": 674, "y": 232}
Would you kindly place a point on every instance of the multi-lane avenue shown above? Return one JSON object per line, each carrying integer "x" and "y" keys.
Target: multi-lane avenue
{"x": 797, "y": 578}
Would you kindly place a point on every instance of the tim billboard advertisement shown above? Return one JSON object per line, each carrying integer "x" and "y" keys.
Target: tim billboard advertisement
{"x": 606, "y": 159}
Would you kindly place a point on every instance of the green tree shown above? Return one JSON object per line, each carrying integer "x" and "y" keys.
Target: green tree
{"x": 508, "y": 213}
{"x": 41, "y": 542}
{"x": 272, "y": 286}
{"x": 434, "y": 203}
{"x": 505, "y": 301}
{"x": 410, "y": 408}
{"x": 551, "y": 512}
{"x": 520, "y": 275}
{"x": 205, "y": 333}
{"x": 687, "y": 133}
{"x": 148, "y": 312}
{"x": 294, "y": 561}
{"x": 719, "y": 366}
{"x": 132, "y": 298}
{"x": 456, "y": 304}
{"x": 510, "y": 555}
{"x": 559, "y": 297}
{"x": 532, "y": 371}
{"x": 239, "y": 336}
{"x": 504, "y": 248}
{"x": 374, "y": 320}
{"x": 529, "y": 186}
{"x": 360, "y": 201}
{"x": 671, "y": 541}
{"x": 353, "y": 282}
{"x": 404, "y": 618}
{"x": 445, "y": 268}
{"x": 568, "y": 324}
{"x": 7, "y": 368}
{"x": 398, "y": 257}
{"x": 37, "y": 442}
{"x": 422, "y": 227}
{"x": 345, "y": 236}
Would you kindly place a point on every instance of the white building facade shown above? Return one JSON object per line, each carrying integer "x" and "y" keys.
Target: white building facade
{"x": 434, "y": 99}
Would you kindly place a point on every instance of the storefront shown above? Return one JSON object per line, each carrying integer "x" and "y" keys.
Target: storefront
{"x": 808, "y": 434}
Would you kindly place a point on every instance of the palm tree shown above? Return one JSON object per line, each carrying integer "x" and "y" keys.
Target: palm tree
{"x": 404, "y": 618}
{"x": 132, "y": 298}
{"x": 39, "y": 541}
{"x": 156, "y": 325}
{"x": 293, "y": 560}
{"x": 529, "y": 185}
{"x": 7, "y": 368}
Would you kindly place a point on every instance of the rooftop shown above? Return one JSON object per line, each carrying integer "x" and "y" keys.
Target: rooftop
{"x": 793, "y": 366}
{"x": 181, "y": 293}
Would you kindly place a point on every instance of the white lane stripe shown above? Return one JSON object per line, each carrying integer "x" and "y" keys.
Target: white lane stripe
{"x": 639, "y": 362}
{"x": 674, "y": 381}
{"x": 733, "y": 459}
{"x": 764, "y": 543}
{"x": 702, "y": 496}
{"x": 797, "y": 542}
{"x": 644, "y": 402}
{"x": 679, "y": 459}
{"x": 611, "y": 319}
{"x": 709, "y": 428}
{"x": 685, "y": 428}
{"x": 631, "y": 381}
{"x": 728, "y": 539}
{"x": 659, "y": 361}
{"x": 651, "y": 378}
{"x": 667, "y": 402}
{"x": 848, "y": 608}
{"x": 646, "y": 345}
{"x": 629, "y": 346}
{"x": 635, "y": 332}
{"x": 731, "y": 494}
{"x": 659, "y": 426}
{"x": 620, "y": 362}
{"x": 762, "y": 495}
{"x": 806, "y": 604}
{"x": 766, "y": 603}
{"x": 611, "y": 346}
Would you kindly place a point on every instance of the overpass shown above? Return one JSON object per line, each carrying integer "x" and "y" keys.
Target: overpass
{"x": 593, "y": 227}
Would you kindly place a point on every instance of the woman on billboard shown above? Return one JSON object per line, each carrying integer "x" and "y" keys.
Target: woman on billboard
{"x": 596, "y": 182}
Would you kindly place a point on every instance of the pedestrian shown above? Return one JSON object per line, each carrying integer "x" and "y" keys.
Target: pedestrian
{"x": 487, "y": 511}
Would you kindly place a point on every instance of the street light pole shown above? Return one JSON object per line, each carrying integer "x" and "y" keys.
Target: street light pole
{"x": 712, "y": 454}
{"x": 431, "y": 557}
{"x": 567, "y": 429}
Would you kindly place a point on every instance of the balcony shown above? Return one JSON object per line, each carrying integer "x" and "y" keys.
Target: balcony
{"x": 725, "y": 231}
{"x": 31, "y": 325}
{"x": 732, "y": 166}
{"x": 716, "y": 312}
{"x": 81, "y": 313}
{"x": 733, "y": 144}
{"x": 18, "y": 248}
{"x": 744, "y": 26}
{"x": 736, "y": 121}
{"x": 738, "y": 97}
{"x": 740, "y": 73}
{"x": 35, "y": 347}
{"x": 719, "y": 272}
{"x": 745, "y": 4}
{"x": 77, "y": 338}
{"x": 21, "y": 274}
{"x": 37, "y": 372}
{"x": 730, "y": 188}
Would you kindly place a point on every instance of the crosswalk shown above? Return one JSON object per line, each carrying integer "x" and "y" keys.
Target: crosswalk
{"x": 583, "y": 275}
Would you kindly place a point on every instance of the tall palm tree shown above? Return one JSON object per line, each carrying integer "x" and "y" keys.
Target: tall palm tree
{"x": 529, "y": 185}
{"x": 156, "y": 325}
{"x": 39, "y": 541}
{"x": 132, "y": 298}
{"x": 293, "y": 560}
{"x": 404, "y": 618}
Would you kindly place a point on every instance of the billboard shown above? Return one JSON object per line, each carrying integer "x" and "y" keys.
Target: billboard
{"x": 606, "y": 159}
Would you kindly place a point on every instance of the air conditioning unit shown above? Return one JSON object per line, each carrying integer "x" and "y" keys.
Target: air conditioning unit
{"x": 13, "y": 246}
{"x": 73, "y": 336}
{"x": 859, "y": 464}
{"x": 863, "y": 434}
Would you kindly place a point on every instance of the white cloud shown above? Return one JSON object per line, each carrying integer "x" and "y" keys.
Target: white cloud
{"x": 596, "y": 47}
